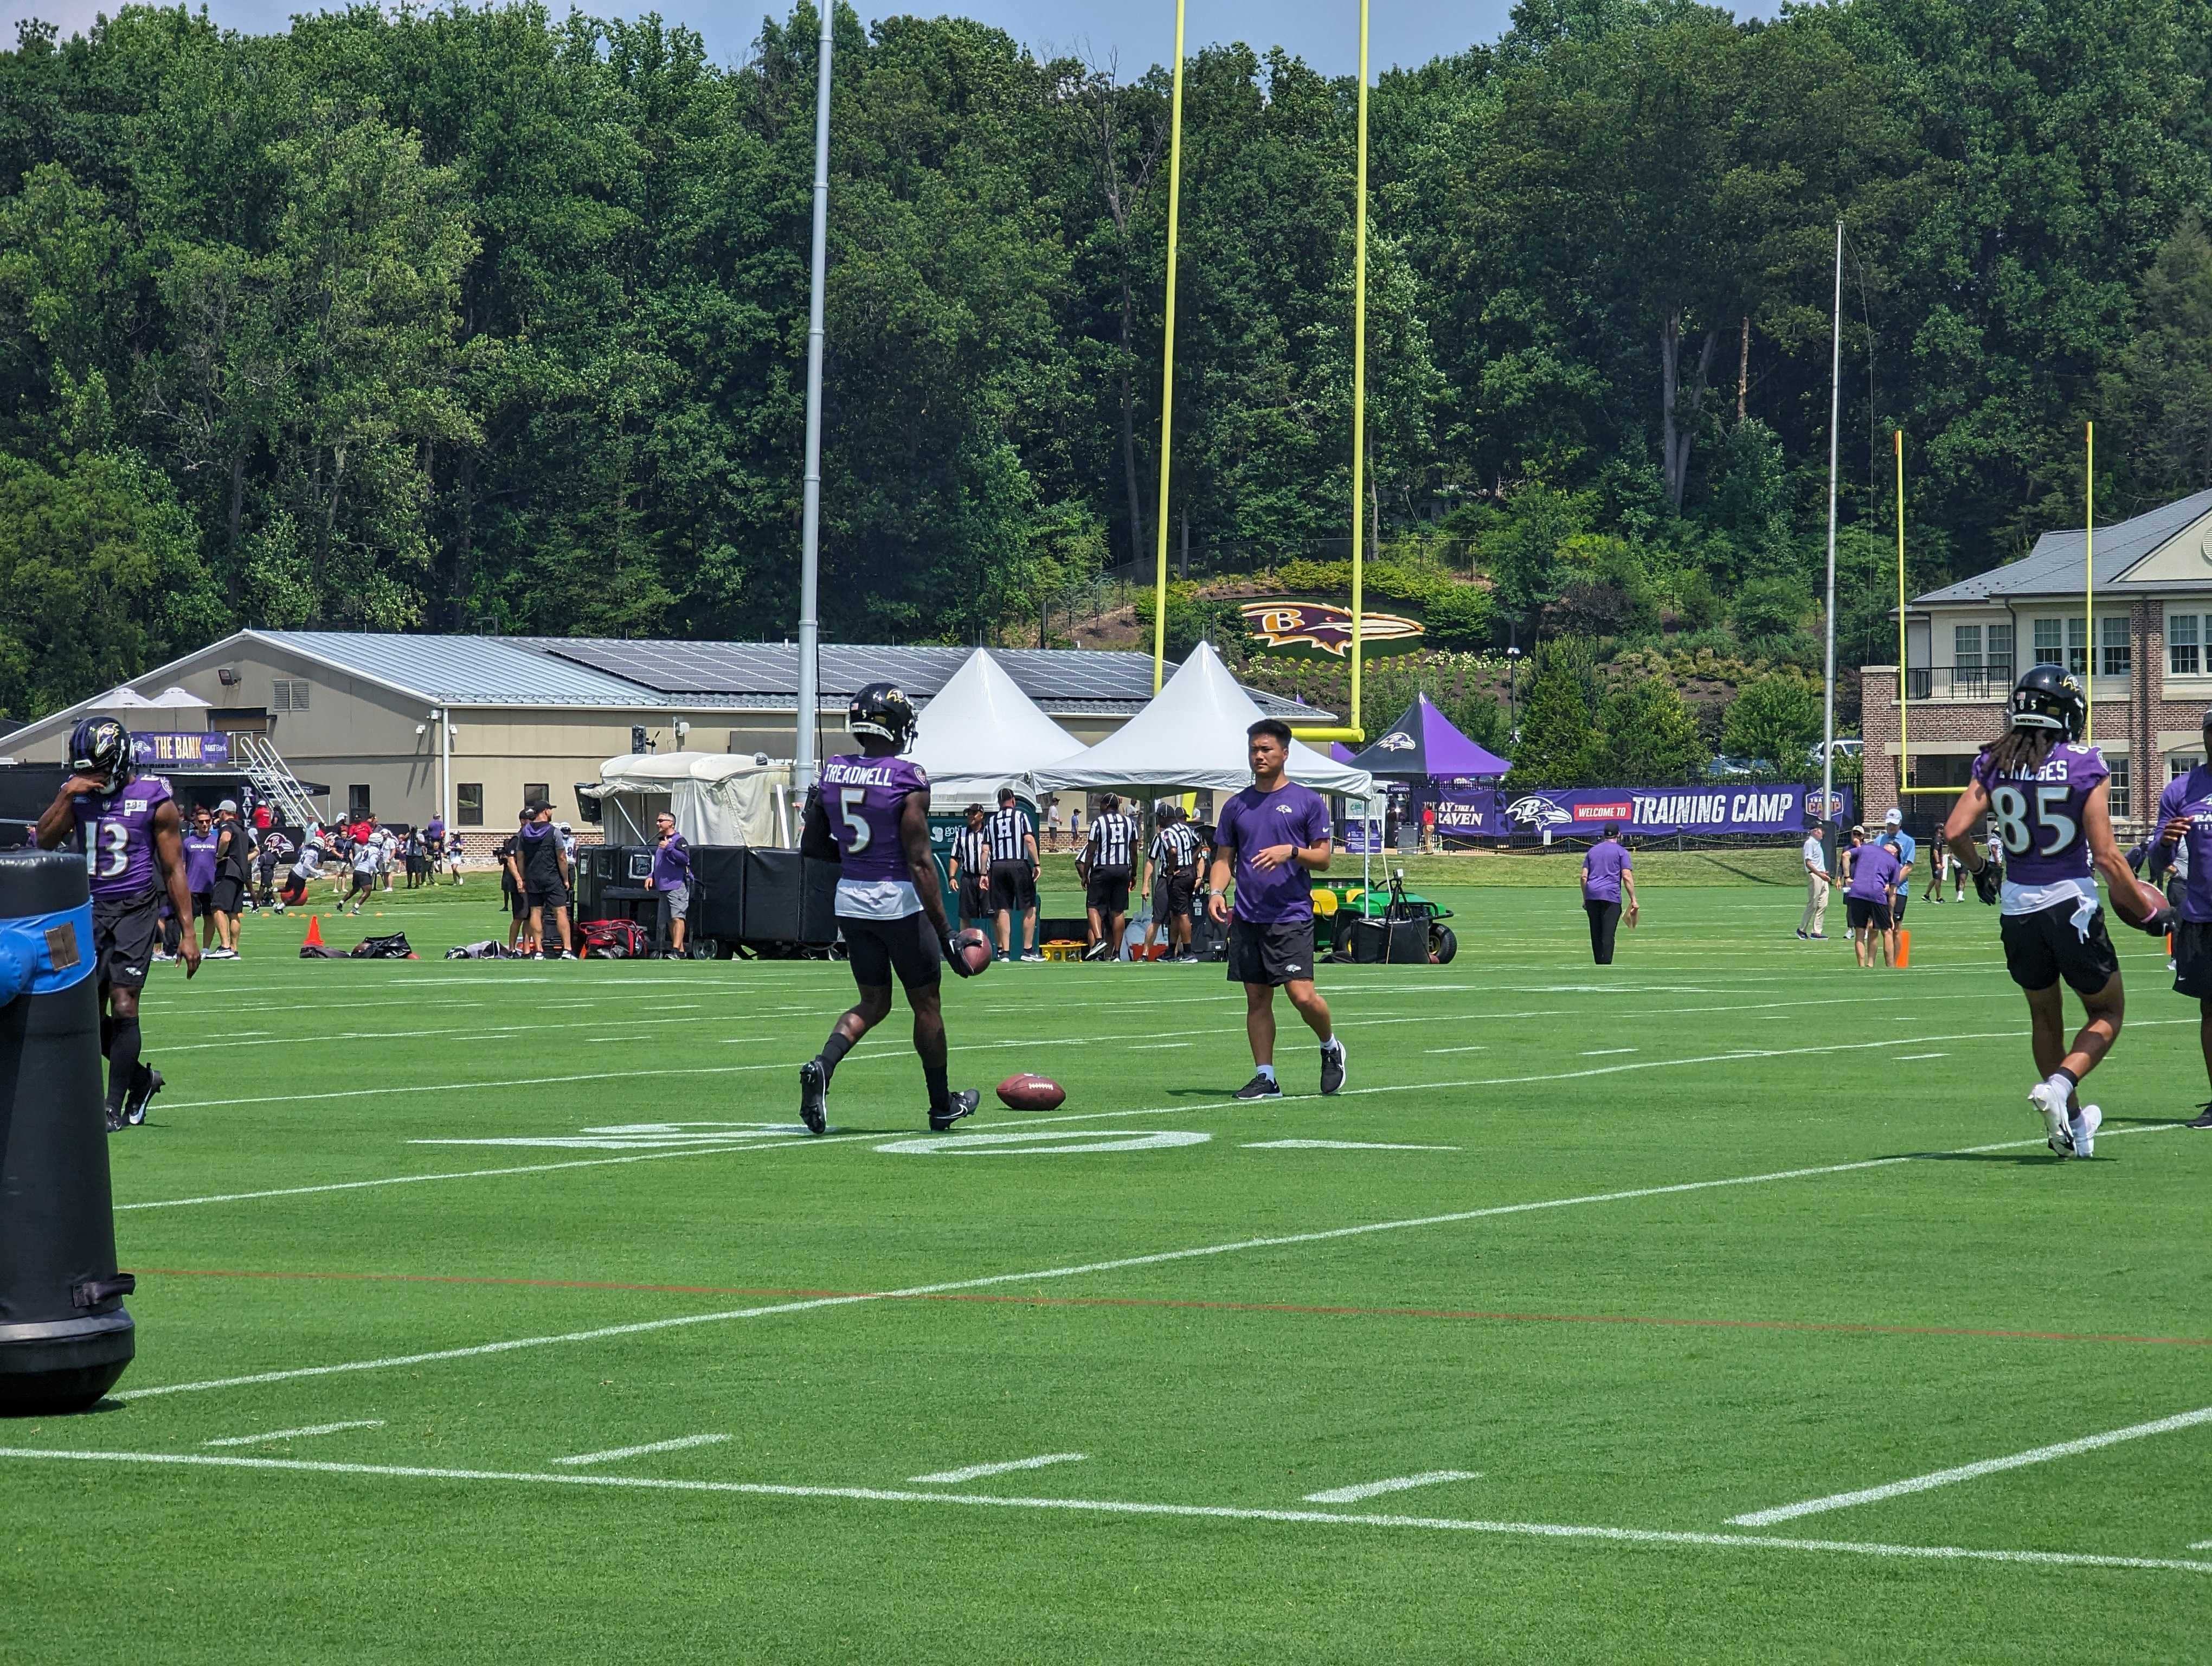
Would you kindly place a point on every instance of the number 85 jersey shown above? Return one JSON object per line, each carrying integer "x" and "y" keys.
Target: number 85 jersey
{"x": 115, "y": 830}
{"x": 2038, "y": 814}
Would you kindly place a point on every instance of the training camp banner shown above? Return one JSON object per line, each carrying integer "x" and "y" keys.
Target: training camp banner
{"x": 1646, "y": 812}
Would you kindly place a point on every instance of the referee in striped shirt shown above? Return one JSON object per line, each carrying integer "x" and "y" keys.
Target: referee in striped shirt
{"x": 1171, "y": 877}
{"x": 1107, "y": 866}
{"x": 971, "y": 870}
{"x": 1012, "y": 837}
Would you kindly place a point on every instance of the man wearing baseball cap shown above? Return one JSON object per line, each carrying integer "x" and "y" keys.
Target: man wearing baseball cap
{"x": 234, "y": 867}
{"x": 1902, "y": 846}
{"x": 2185, "y": 829}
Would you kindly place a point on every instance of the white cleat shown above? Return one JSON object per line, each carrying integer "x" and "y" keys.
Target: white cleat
{"x": 2051, "y": 1102}
{"x": 2084, "y": 1130}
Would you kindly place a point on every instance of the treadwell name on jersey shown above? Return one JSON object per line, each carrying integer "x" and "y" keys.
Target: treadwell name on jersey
{"x": 843, "y": 772}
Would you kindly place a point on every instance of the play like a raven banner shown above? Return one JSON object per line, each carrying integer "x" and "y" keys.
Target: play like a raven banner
{"x": 1646, "y": 812}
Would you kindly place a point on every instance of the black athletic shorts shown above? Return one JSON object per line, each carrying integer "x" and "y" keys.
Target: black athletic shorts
{"x": 2042, "y": 947}
{"x": 1897, "y": 909}
{"x": 2192, "y": 958}
{"x": 556, "y": 898}
{"x": 1171, "y": 894}
{"x": 203, "y": 900}
{"x": 1861, "y": 912}
{"x": 364, "y": 879}
{"x": 1275, "y": 951}
{"x": 1108, "y": 890}
{"x": 876, "y": 948}
{"x": 123, "y": 930}
{"x": 974, "y": 898}
{"x": 227, "y": 897}
{"x": 295, "y": 890}
{"x": 1013, "y": 886}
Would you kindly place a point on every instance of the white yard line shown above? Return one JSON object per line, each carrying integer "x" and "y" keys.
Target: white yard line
{"x": 1602, "y": 1052}
{"x": 676, "y": 1445}
{"x": 1787, "y": 1513}
{"x": 1232, "y": 1247}
{"x": 1334, "y": 1145}
{"x": 295, "y": 1434}
{"x": 977, "y": 1471}
{"x": 1370, "y": 1489}
{"x": 1433, "y": 1051}
{"x": 1907, "y": 1058}
{"x": 1117, "y": 1507}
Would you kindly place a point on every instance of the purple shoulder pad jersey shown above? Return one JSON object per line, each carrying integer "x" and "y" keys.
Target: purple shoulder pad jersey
{"x": 2038, "y": 814}
{"x": 2191, "y": 795}
{"x": 115, "y": 830}
{"x": 863, "y": 797}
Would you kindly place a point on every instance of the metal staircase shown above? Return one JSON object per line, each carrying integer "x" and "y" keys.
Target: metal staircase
{"x": 272, "y": 778}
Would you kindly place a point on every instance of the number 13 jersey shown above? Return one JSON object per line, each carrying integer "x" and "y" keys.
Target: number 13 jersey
{"x": 2038, "y": 814}
{"x": 115, "y": 830}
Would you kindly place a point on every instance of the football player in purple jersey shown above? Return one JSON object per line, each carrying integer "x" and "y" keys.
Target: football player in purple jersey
{"x": 2185, "y": 829}
{"x": 870, "y": 814}
{"x": 133, "y": 840}
{"x": 2049, "y": 798}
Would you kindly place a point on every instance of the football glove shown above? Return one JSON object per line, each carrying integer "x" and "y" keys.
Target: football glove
{"x": 951, "y": 944}
{"x": 1987, "y": 885}
{"x": 2160, "y": 923}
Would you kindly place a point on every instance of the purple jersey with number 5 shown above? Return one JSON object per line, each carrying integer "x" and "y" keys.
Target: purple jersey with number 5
{"x": 115, "y": 830}
{"x": 863, "y": 797}
{"x": 2038, "y": 814}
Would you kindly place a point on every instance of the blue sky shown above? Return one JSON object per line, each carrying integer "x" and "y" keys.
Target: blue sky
{"x": 1325, "y": 32}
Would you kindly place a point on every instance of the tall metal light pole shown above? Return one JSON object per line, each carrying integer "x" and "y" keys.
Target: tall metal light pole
{"x": 810, "y": 559}
{"x": 1835, "y": 399}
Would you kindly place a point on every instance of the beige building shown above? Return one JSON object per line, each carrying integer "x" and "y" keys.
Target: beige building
{"x": 2146, "y": 659}
{"x": 410, "y": 726}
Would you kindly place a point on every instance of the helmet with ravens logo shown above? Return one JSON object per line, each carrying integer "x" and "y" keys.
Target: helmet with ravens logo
{"x": 882, "y": 711}
{"x": 2048, "y": 698}
{"x": 100, "y": 747}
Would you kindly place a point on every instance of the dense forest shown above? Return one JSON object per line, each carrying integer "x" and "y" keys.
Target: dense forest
{"x": 484, "y": 319}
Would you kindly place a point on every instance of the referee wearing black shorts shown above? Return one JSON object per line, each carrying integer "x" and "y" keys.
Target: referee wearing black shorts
{"x": 971, "y": 870}
{"x": 1171, "y": 877}
{"x": 1012, "y": 837}
{"x": 1108, "y": 862}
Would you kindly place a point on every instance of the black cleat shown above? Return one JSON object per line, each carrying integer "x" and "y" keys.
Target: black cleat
{"x": 2202, "y": 1119}
{"x": 814, "y": 1097}
{"x": 961, "y": 1105}
{"x": 1332, "y": 1069}
{"x": 1261, "y": 1087}
{"x": 140, "y": 1094}
{"x": 114, "y": 1120}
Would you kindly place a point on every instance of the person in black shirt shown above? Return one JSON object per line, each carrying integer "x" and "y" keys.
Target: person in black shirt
{"x": 508, "y": 854}
{"x": 1013, "y": 873}
{"x": 1106, "y": 866}
{"x": 1171, "y": 877}
{"x": 970, "y": 871}
{"x": 543, "y": 860}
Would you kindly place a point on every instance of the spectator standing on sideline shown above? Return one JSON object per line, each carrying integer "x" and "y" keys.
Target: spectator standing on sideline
{"x": 201, "y": 845}
{"x": 1608, "y": 871}
{"x": 970, "y": 871}
{"x": 1902, "y": 846}
{"x": 1939, "y": 862}
{"x": 1107, "y": 865}
{"x": 671, "y": 878}
{"x": 233, "y": 859}
{"x": 1171, "y": 879}
{"x": 1075, "y": 826}
{"x": 543, "y": 860}
{"x": 508, "y": 854}
{"x": 1272, "y": 836}
{"x": 1428, "y": 827}
{"x": 1013, "y": 873}
{"x": 1811, "y": 923}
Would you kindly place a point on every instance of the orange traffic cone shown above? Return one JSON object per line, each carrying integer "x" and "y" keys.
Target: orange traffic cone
{"x": 314, "y": 932}
{"x": 1904, "y": 950}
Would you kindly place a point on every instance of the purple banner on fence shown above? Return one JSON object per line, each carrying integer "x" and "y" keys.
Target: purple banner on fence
{"x": 1646, "y": 812}
{"x": 192, "y": 749}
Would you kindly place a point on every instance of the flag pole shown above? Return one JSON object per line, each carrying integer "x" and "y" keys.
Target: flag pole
{"x": 1904, "y": 750}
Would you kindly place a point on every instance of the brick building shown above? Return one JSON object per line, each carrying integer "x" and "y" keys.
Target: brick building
{"x": 2150, "y": 683}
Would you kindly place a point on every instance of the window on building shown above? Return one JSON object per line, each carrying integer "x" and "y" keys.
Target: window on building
{"x": 1966, "y": 649}
{"x": 1998, "y": 665}
{"x": 2121, "y": 803}
{"x": 2077, "y": 646}
{"x": 2179, "y": 764}
{"x": 2049, "y": 643}
{"x": 288, "y": 695}
{"x": 2118, "y": 657}
{"x": 356, "y": 802}
{"x": 536, "y": 792}
{"x": 2183, "y": 645}
{"x": 468, "y": 803}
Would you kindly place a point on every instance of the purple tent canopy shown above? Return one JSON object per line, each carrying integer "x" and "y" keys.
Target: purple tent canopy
{"x": 1422, "y": 745}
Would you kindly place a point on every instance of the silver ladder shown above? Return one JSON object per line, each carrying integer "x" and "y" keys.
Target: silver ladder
{"x": 273, "y": 779}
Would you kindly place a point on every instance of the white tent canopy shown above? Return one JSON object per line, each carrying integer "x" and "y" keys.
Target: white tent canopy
{"x": 980, "y": 733}
{"x": 174, "y": 698}
{"x": 122, "y": 700}
{"x": 717, "y": 798}
{"x": 1193, "y": 736}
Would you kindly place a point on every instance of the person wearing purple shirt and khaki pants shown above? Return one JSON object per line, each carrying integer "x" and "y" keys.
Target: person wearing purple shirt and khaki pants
{"x": 1272, "y": 838}
{"x": 1608, "y": 870}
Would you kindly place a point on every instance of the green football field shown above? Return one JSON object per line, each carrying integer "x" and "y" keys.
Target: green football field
{"x": 1722, "y": 1304}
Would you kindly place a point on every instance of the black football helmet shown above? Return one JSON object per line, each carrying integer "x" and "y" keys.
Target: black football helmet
{"x": 101, "y": 746}
{"x": 881, "y": 710}
{"x": 2048, "y": 698}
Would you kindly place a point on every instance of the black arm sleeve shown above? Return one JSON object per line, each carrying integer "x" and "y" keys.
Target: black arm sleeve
{"x": 814, "y": 837}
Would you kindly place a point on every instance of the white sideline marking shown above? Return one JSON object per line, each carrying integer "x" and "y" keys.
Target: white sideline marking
{"x": 1457, "y": 1050}
{"x": 1335, "y": 1145}
{"x": 977, "y": 1471}
{"x": 1907, "y": 1058}
{"x": 2202, "y": 1544}
{"x": 295, "y": 1434}
{"x": 1971, "y": 1471}
{"x": 1116, "y": 1507}
{"x": 1602, "y": 1052}
{"x": 639, "y": 1327}
{"x": 1024, "y": 1142}
{"x": 676, "y": 1445}
{"x": 1368, "y": 1489}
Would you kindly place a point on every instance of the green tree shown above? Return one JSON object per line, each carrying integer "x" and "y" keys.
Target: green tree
{"x": 1774, "y": 720}
{"x": 1649, "y": 737}
{"x": 1558, "y": 743}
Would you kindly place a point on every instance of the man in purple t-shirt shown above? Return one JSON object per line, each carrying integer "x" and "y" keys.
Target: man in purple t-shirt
{"x": 671, "y": 879}
{"x": 132, "y": 839}
{"x": 1872, "y": 873}
{"x": 1273, "y": 835}
{"x": 2185, "y": 826}
{"x": 1607, "y": 870}
{"x": 870, "y": 814}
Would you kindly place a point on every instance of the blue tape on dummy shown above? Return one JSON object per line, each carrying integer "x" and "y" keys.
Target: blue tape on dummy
{"x": 45, "y": 953}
